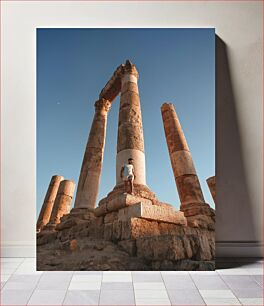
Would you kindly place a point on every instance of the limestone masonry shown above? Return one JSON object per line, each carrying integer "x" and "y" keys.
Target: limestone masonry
{"x": 127, "y": 231}
{"x": 44, "y": 215}
{"x": 211, "y": 184}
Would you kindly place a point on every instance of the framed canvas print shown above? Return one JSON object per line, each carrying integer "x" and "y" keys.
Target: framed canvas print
{"x": 125, "y": 149}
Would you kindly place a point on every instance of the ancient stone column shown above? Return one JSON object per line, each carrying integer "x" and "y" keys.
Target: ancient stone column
{"x": 88, "y": 184}
{"x": 211, "y": 184}
{"x": 130, "y": 142}
{"x": 187, "y": 182}
{"x": 62, "y": 203}
{"x": 44, "y": 215}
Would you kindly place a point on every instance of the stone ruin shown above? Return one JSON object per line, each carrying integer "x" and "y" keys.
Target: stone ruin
{"x": 125, "y": 231}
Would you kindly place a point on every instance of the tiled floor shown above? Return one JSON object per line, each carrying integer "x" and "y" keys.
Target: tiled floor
{"x": 238, "y": 282}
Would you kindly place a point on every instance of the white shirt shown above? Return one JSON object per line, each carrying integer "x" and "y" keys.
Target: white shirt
{"x": 128, "y": 170}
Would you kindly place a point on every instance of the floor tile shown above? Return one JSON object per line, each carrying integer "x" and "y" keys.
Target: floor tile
{"x": 258, "y": 279}
{"x": 12, "y": 259}
{"x": 117, "y": 286}
{"x": 255, "y": 271}
{"x": 32, "y": 278}
{"x": 12, "y": 265}
{"x": 161, "y": 302}
{"x": 209, "y": 282}
{"x": 117, "y": 277}
{"x": 85, "y": 286}
{"x": 117, "y": 297}
{"x": 47, "y": 297}
{"x": 117, "y": 273}
{"x": 217, "y": 294}
{"x": 30, "y": 260}
{"x": 53, "y": 285}
{"x": 178, "y": 282}
{"x": 27, "y": 268}
{"x": 146, "y": 277}
{"x": 80, "y": 297}
{"x": 149, "y": 286}
{"x": 234, "y": 271}
{"x": 59, "y": 273}
{"x": 8, "y": 270}
{"x": 20, "y": 285}
{"x": 151, "y": 294}
{"x": 87, "y": 278}
{"x": 15, "y": 297}
{"x": 222, "y": 301}
{"x": 240, "y": 282}
{"x": 176, "y": 273}
{"x": 248, "y": 293}
{"x": 185, "y": 297}
{"x": 87, "y": 272}
{"x": 251, "y": 301}
{"x": 209, "y": 273}
{"x": 5, "y": 277}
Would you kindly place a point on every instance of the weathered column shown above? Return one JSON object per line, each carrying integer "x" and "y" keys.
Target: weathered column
{"x": 62, "y": 203}
{"x": 130, "y": 142}
{"x": 91, "y": 169}
{"x": 211, "y": 184}
{"x": 45, "y": 212}
{"x": 187, "y": 182}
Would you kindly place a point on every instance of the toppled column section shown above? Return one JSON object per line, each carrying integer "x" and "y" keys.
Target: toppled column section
{"x": 211, "y": 184}
{"x": 187, "y": 182}
{"x": 62, "y": 203}
{"x": 91, "y": 169}
{"x": 130, "y": 142}
{"x": 46, "y": 209}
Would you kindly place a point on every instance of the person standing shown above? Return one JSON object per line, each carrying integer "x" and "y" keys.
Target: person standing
{"x": 127, "y": 174}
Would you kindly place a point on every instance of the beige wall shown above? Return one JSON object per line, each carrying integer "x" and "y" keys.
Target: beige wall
{"x": 239, "y": 107}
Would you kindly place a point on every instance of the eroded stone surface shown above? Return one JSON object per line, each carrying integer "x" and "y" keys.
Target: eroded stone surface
{"x": 62, "y": 203}
{"x": 211, "y": 182}
{"x": 46, "y": 209}
{"x": 152, "y": 212}
{"x": 122, "y": 200}
{"x": 89, "y": 179}
{"x": 138, "y": 244}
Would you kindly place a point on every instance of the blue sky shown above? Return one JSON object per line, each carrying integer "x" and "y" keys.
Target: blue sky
{"x": 174, "y": 65}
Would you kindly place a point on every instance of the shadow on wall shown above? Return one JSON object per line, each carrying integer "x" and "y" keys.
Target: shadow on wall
{"x": 234, "y": 215}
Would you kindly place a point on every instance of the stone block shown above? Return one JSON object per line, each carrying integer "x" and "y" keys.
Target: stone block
{"x": 161, "y": 248}
{"x": 108, "y": 231}
{"x": 117, "y": 230}
{"x": 182, "y": 163}
{"x": 152, "y": 212}
{"x": 110, "y": 217}
{"x": 137, "y": 227}
{"x": 197, "y": 246}
{"x": 128, "y": 246}
{"x": 101, "y": 210}
{"x": 193, "y": 209}
{"x": 130, "y": 86}
{"x": 189, "y": 189}
{"x": 126, "y": 232}
{"x": 201, "y": 221}
{"x": 117, "y": 202}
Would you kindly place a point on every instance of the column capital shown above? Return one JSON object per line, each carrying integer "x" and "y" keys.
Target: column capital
{"x": 102, "y": 106}
{"x": 129, "y": 68}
